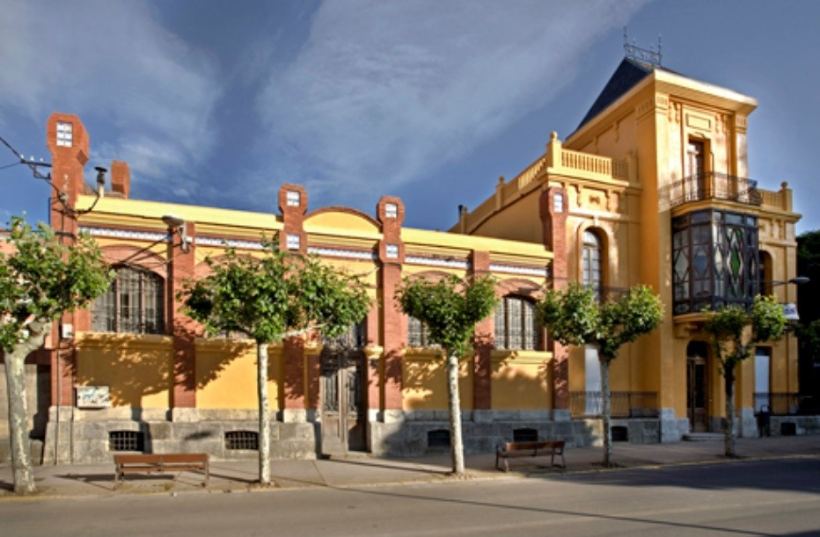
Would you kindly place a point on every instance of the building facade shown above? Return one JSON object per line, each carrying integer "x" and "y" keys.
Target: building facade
{"x": 652, "y": 188}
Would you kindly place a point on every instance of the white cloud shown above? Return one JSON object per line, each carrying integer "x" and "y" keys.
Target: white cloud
{"x": 113, "y": 63}
{"x": 384, "y": 91}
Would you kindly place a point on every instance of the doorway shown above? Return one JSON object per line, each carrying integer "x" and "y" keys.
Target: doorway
{"x": 342, "y": 402}
{"x": 697, "y": 353}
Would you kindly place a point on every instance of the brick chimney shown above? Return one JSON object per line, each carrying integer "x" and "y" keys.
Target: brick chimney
{"x": 120, "y": 178}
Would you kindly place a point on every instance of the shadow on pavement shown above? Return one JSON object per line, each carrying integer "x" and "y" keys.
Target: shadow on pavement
{"x": 793, "y": 474}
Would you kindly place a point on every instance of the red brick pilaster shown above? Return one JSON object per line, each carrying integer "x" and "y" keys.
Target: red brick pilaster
{"x": 553, "y": 208}
{"x": 373, "y": 371}
{"x": 182, "y": 256}
{"x": 390, "y": 211}
{"x": 293, "y": 353}
{"x": 484, "y": 342}
{"x": 293, "y": 204}
{"x": 67, "y": 141}
{"x": 314, "y": 372}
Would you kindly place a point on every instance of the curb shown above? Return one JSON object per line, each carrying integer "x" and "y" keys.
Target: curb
{"x": 438, "y": 479}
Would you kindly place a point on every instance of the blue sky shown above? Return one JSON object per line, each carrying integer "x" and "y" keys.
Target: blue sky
{"x": 218, "y": 103}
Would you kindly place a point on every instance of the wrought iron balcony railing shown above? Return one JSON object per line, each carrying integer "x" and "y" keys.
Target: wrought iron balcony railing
{"x": 624, "y": 404}
{"x": 714, "y": 186}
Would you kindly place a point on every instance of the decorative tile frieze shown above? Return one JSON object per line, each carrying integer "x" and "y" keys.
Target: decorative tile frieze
{"x": 124, "y": 234}
{"x": 436, "y": 262}
{"x": 342, "y": 253}
{"x": 514, "y": 269}
{"x": 229, "y": 243}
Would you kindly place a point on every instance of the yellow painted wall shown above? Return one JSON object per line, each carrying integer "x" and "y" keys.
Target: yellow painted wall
{"x": 509, "y": 224}
{"x": 424, "y": 381}
{"x": 226, "y": 374}
{"x": 136, "y": 368}
{"x": 520, "y": 380}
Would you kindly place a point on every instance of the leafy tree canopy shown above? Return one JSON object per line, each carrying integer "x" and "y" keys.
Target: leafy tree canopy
{"x": 43, "y": 278}
{"x": 728, "y": 327}
{"x": 272, "y": 296}
{"x": 576, "y": 316}
{"x": 450, "y": 308}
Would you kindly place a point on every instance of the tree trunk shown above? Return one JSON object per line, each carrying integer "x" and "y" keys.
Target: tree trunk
{"x": 729, "y": 430}
{"x": 264, "y": 419}
{"x": 606, "y": 410}
{"x": 456, "y": 444}
{"x": 18, "y": 411}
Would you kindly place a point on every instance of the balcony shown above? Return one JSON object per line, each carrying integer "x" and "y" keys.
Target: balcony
{"x": 714, "y": 186}
{"x": 624, "y": 404}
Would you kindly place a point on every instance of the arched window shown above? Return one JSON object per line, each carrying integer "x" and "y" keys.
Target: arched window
{"x": 592, "y": 261}
{"x": 134, "y": 303}
{"x": 515, "y": 324}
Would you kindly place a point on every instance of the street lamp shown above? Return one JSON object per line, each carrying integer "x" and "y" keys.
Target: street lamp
{"x": 177, "y": 224}
{"x": 797, "y": 280}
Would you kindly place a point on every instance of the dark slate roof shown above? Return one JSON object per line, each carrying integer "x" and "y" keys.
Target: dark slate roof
{"x": 625, "y": 77}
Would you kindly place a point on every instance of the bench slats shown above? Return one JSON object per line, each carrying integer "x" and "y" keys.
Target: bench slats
{"x": 530, "y": 449}
{"x": 160, "y": 463}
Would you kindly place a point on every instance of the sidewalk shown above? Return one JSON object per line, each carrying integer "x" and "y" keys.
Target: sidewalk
{"x": 78, "y": 481}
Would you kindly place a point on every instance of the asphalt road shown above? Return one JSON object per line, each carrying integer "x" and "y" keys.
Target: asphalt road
{"x": 776, "y": 497}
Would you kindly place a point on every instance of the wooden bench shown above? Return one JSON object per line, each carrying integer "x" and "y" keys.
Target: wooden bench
{"x": 160, "y": 464}
{"x": 530, "y": 449}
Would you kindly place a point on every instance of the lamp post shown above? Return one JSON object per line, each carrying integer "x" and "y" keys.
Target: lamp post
{"x": 797, "y": 280}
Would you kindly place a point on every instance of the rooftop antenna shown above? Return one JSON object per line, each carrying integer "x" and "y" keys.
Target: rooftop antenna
{"x": 633, "y": 52}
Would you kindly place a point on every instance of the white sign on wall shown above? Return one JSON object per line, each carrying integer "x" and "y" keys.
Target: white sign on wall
{"x": 93, "y": 397}
{"x": 790, "y": 311}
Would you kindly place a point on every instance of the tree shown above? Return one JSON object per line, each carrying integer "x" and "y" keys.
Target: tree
{"x": 808, "y": 331}
{"x": 39, "y": 280}
{"x": 270, "y": 298}
{"x": 735, "y": 332}
{"x": 450, "y": 309}
{"x": 576, "y": 316}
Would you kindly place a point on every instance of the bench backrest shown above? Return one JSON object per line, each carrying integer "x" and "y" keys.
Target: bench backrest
{"x": 524, "y": 446}
{"x": 154, "y": 458}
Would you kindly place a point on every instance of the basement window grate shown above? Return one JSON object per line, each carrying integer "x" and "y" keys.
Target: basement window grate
{"x": 242, "y": 440}
{"x": 620, "y": 433}
{"x": 438, "y": 438}
{"x": 126, "y": 441}
{"x": 525, "y": 434}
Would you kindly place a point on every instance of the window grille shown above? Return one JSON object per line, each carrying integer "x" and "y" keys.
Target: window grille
{"x": 591, "y": 261}
{"x": 525, "y": 434}
{"x": 515, "y": 325}
{"x": 135, "y": 303}
{"x": 242, "y": 440}
{"x": 438, "y": 438}
{"x": 355, "y": 337}
{"x": 416, "y": 333}
{"x": 126, "y": 441}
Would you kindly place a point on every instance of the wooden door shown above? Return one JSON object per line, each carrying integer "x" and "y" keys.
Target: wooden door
{"x": 697, "y": 387}
{"x": 342, "y": 402}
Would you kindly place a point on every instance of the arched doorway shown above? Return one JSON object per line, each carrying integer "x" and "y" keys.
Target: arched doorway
{"x": 343, "y": 411}
{"x": 697, "y": 382}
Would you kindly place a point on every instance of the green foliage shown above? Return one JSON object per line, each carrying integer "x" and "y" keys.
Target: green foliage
{"x": 575, "y": 316}
{"x": 274, "y": 295}
{"x": 735, "y": 331}
{"x": 43, "y": 278}
{"x": 450, "y": 308}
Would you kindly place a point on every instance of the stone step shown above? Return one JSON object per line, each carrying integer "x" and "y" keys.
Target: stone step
{"x": 703, "y": 437}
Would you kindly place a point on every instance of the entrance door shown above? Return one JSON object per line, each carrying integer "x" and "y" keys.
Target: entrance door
{"x": 696, "y": 386}
{"x": 343, "y": 409}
